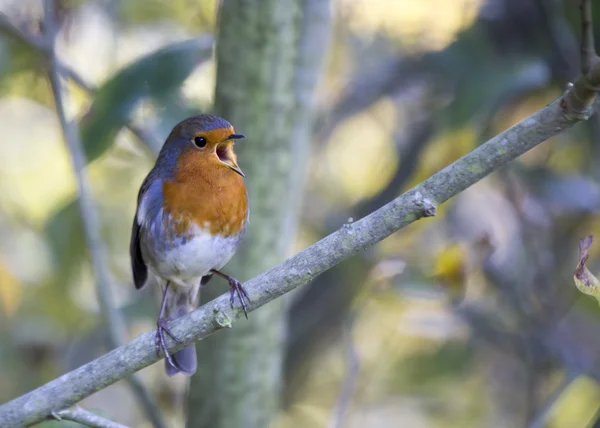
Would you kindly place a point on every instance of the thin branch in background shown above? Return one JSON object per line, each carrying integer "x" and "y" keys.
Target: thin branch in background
{"x": 145, "y": 137}
{"x": 563, "y": 41}
{"x": 34, "y": 40}
{"x": 84, "y": 417}
{"x": 40, "y": 43}
{"x": 350, "y": 379}
{"x": 588, "y": 58}
{"x": 419, "y": 136}
{"x": 89, "y": 215}
{"x": 141, "y": 134}
{"x": 588, "y": 50}
{"x": 580, "y": 96}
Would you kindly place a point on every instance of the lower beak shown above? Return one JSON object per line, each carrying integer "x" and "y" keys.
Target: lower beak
{"x": 237, "y": 169}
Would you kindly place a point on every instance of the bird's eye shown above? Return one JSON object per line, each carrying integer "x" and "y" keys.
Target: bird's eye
{"x": 200, "y": 142}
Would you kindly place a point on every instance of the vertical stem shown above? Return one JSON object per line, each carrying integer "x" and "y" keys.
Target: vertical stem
{"x": 89, "y": 215}
{"x": 266, "y": 77}
{"x": 88, "y": 211}
{"x": 348, "y": 386}
{"x": 588, "y": 49}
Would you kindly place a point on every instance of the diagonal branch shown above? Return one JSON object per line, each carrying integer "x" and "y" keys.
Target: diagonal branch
{"x": 21, "y": 33}
{"x": 349, "y": 382}
{"x": 420, "y": 201}
{"x": 41, "y": 44}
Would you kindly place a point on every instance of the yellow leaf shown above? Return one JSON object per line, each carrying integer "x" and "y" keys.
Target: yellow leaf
{"x": 10, "y": 292}
{"x": 449, "y": 267}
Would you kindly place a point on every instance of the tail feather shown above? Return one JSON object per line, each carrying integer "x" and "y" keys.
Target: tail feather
{"x": 185, "y": 361}
{"x": 180, "y": 301}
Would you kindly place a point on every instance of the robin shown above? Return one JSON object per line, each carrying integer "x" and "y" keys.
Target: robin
{"x": 191, "y": 215}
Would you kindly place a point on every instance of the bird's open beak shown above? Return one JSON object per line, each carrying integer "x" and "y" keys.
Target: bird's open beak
{"x": 226, "y": 155}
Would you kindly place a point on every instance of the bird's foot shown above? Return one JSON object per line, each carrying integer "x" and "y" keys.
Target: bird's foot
{"x": 162, "y": 327}
{"x": 236, "y": 287}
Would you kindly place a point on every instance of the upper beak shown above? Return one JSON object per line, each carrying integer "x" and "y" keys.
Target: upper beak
{"x": 236, "y": 136}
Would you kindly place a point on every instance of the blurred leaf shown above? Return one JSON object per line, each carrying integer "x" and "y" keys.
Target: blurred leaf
{"x": 484, "y": 81}
{"x": 449, "y": 269}
{"x": 65, "y": 235}
{"x": 10, "y": 291}
{"x": 155, "y": 75}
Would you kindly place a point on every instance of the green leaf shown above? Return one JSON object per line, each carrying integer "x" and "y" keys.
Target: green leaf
{"x": 155, "y": 75}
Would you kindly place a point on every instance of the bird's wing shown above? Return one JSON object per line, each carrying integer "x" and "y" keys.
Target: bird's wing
{"x": 149, "y": 205}
{"x": 138, "y": 266}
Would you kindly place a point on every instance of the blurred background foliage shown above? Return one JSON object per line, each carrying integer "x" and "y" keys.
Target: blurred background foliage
{"x": 467, "y": 319}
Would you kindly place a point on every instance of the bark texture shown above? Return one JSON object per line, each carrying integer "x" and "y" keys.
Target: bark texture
{"x": 269, "y": 57}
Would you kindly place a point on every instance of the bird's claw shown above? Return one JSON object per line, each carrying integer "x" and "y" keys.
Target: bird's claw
{"x": 162, "y": 327}
{"x": 236, "y": 287}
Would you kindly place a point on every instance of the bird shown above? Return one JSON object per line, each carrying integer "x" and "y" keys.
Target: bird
{"x": 192, "y": 212}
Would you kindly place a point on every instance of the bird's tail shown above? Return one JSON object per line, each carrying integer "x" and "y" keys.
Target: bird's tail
{"x": 180, "y": 302}
{"x": 185, "y": 362}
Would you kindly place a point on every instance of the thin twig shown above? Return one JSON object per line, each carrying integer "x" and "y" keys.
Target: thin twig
{"x": 421, "y": 201}
{"x": 89, "y": 215}
{"x": 141, "y": 134}
{"x": 579, "y": 98}
{"x": 349, "y": 382}
{"x": 40, "y": 43}
{"x": 84, "y": 417}
{"x": 35, "y": 41}
{"x": 588, "y": 49}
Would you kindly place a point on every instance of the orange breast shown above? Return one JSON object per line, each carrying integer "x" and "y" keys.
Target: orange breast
{"x": 206, "y": 194}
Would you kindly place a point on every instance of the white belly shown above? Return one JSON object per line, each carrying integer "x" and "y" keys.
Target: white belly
{"x": 186, "y": 263}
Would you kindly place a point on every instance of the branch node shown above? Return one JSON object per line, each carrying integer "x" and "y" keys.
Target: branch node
{"x": 428, "y": 207}
{"x": 221, "y": 319}
{"x": 578, "y": 101}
